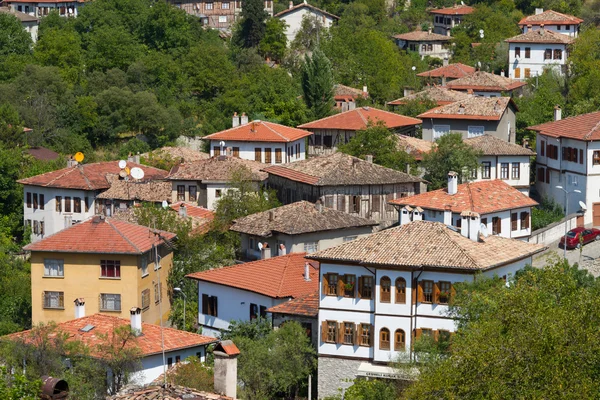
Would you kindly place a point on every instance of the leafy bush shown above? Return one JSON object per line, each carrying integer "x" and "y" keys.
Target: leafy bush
{"x": 546, "y": 213}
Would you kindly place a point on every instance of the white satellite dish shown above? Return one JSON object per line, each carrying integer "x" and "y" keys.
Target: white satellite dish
{"x": 481, "y": 35}
{"x": 413, "y": 68}
{"x": 479, "y": 64}
{"x": 137, "y": 173}
{"x": 582, "y": 205}
{"x": 481, "y": 30}
{"x": 260, "y": 246}
{"x": 122, "y": 164}
{"x": 483, "y": 230}
{"x": 222, "y": 143}
{"x": 165, "y": 204}
{"x": 462, "y": 3}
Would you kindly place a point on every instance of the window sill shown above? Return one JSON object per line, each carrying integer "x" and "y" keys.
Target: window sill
{"x": 145, "y": 308}
{"x": 53, "y": 308}
{"x": 115, "y": 311}
{"x": 109, "y": 278}
{"x": 145, "y": 275}
{"x": 53, "y": 277}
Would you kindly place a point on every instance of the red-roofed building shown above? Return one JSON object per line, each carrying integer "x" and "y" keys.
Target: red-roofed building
{"x": 107, "y": 260}
{"x": 444, "y": 19}
{"x": 330, "y": 132}
{"x": 504, "y": 210}
{"x": 261, "y": 141}
{"x": 58, "y": 199}
{"x": 304, "y": 310}
{"x": 447, "y": 72}
{"x": 425, "y": 43}
{"x": 553, "y": 21}
{"x": 91, "y": 330}
{"x": 243, "y": 292}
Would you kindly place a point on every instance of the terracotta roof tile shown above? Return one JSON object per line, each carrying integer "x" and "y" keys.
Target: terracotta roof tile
{"x": 176, "y": 153}
{"x": 456, "y": 10}
{"x": 42, "y": 153}
{"x": 103, "y": 236}
{"x": 358, "y": 119}
{"x": 149, "y": 342}
{"x": 170, "y": 392}
{"x": 260, "y": 131}
{"x": 153, "y": 191}
{"x": 339, "y": 169}
{"x": 541, "y": 36}
{"x": 485, "y": 82}
{"x": 296, "y": 219}
{"x": 23, "y": 17}
{"x": 227, "y": 347}
{"x": 346, "y": 92}
{"x": 482, "y": 197}
{"x": 201, "y": 217}
{"x": 453, "y": 71}
{"x": 421, "y": 36}
{"x": 305, "y": 5}
{"x": 550, "y": 17}
{"x": 438, "y": 94}
{"x": 88, "y": 176}
{"x": 216, "y": 169}
{"x": 307, "y": 306}
{"x": 581, "y": 127}
{"x": 477, "y": 108}
{"x": 277, "y": 277}
{"x": 431, "y": 245}
{"x": 492, "y": 146}
{"x": 415, "y": 146}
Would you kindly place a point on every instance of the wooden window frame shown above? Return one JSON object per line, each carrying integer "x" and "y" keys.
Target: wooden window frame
{"x": 385, "y": 290}
{"x": 517, "y": 51}
{"x": 329, "y": 331}
{"x": 444, "y": 292}
{"x": 543, "y": 148}
{"x": 527, "y": 52}
{"x": 596, "y": 157}
{"x": 42, "y": 201}
{"x": 384, "y": 339}
{"x": 145, "y": 299}
{"x": 365, "y": 339}
{"x": 515, "y": 172}
{"x": 400, "y": 297}
{"x": 210, "y": 305}
{"x": 268, "y": 158}
{"x": 193, "y": 193}
{"x": 504, "y": 171}
{"x": 104, "y": 301}
{"x": 346, "y": 280}
{"x": 428, "y": 293}
{"x": 258, "y": 154}
{"x": 236, "y": 152}
{"x": 348, "y": 332}
{"x": 497, "y": 225}
{"x": 28, "y": 199}
{"x": 110, "y": 269}
{"x": 58, "y": 203}
{"x": 278, "y": 156}
{"x": 330, "y": 283}
{"x": 77, "y": 205}
{"x": 486, "y": 170}
{"x": 216, "y": 151}
{"x": 399, "y": 345}
{"x": 364, "y": 288}
{"x": 356, "y": 203}
{"x": 524, "y": 220}
{"x": 376, "y": 203}
{"x": 514, "y": 221}
{"x": 180, "y": 192}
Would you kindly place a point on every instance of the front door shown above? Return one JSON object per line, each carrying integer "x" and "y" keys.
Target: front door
{"x": 596, "y": 214}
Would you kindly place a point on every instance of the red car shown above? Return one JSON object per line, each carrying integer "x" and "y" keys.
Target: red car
{"x": 574, "y": 237}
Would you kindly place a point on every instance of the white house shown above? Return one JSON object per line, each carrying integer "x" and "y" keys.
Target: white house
{"x": 244, "y": 292}
{"x": 44, "y": 7}
{"x": 568, "y": 155}
{"x": 502, "y": 209}
{"x": 56, "y": 200}
{"x": 260, "y": 141}
{"x": 484, "y": 84}
{"x": 426, "y": 43}
{"x": 530, "y": 53}
{"x": 295, "y": 14}
{"x": 29, "y": 22}
{"x": 298, "y": 227}
{"x": 203, "y": 182}
{"x": 444, "y": 19}
{"x": 380, "y": 292}
{"x": 552, "y": 21}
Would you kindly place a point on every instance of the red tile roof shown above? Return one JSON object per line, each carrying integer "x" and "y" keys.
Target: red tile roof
{"x": 170, "y": 392}
{"x": 347, "y": 93}
{"x": 541, "y": 36}
{"x": 307, "y": 306}
{"x": 88, "y": 176}
{"x": 201, "y": 217}
{"x": 456, "y": 10}
{"x": 550, "y": 17}
{"x": 485, "y": 82}
{"x": 260, "y": 131}
{"x": 581, "y": 127}
{"x": 42, "y": 153}
{"x": 482, "y": 197}
{"x": 227, "y": 347}
{"x": 149, "y": 341}
{"x": 305, "y": 5}
{"x": 101, "y": 236}
{"x": 358, "y": 119}
{"x": 473, "y": 108}
{"x": 453, "y": 71}
{"x": 441, "y": 95}
{"x": 277, "y": 277}
{"x": 423, "y": 36}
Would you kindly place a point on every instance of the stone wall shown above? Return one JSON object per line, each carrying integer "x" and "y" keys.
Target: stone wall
{"x": 336, "y": 374}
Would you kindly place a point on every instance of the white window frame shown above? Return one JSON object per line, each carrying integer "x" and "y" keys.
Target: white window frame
{"x": 208, "y": 6}
{"x": 110, "y": 302}
{"x": 222, "y": 19}
{"x": 475, "y": 130}
{"x": 350, "y": 238}
{"x": 54, "y": 300}
{"x": 440, "y": 130}
{"x": 54, "y": 267}
{"x": 311, "y": 247}
{"x": 225, "y": 5}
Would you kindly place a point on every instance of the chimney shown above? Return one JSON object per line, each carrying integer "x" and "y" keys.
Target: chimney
{"x": 253, "y": 126}
{"x": 429, "y": 31}
{"x": 244, "y": 119}
{"x": 542, "y": 29}
{"x": 448, "y": 216}
{"x": 443, "y": 79}
{"x": 136, "y": 320}
{"x": 79, "y": 308}
{"x": 557, "y": 113}
{"x": 502, "y": 73}
{"x": 282, "y": 250}
{"x": 183, "y": 211}
{"x": 445, "y": 62}
{"x": 405, "y": 215}
{"x": 464, "y": 225}
{"x": 417, "y": 214}
{"x": 270, "y": 215}
{"x": 452, "y": 183}
{"x": 365, "y": 91}
{"x": 369, "y": 158}
{"x": 265, "y": 252}
{"x": 307, "y": 271}
{"x": 539, "y": 11}
{"x": 474, "y": 225}
{"x": 351, "y": 105}
{"x": 291, "y": 4}
{"x": 71, "y": 162}
{"x": 319, "y": 205}
{"x": 225, "y": 368}
{"x": 461, "y": 108}
{"x": 235, "y": 120}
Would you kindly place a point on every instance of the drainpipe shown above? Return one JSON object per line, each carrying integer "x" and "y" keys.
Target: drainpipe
{"x": 414, "y": 287}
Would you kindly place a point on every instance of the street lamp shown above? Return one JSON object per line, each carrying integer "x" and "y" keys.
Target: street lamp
{"x": 184, "y": 300}
{"x": 567, "y": 193}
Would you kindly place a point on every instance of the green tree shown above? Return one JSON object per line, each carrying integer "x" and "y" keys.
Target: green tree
{"x": 60, "y": 47}
{"x": 317, "y": 84}
{"x": 120, "y": 354}
{"x": 193, "y": 374}
{"x": 274, "y": 42}
{"x": 449, "y": 153}
{"x": 252, "y": 27}
{"x": 14, "y": 40}
{"x": 363, "y": 389}
{"x": 18, "y": 387}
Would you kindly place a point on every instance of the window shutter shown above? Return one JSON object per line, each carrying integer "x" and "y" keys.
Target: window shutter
{"x": 356, "y": 333}
{"x": 418, "y": 333}
{"x": 341, "y": 202}
{"x": 215, "y": 310}
{"x": 340, "y": 333}
{"x": 359, "y": 288}
{"x": 436, "y": 292}
{"x": 325, "y": 284}
{"x": 340, "y": 285}
{"x": 359, "y": 333}
{"x": 420, "y": 296}
{"x": 324, "y": 331}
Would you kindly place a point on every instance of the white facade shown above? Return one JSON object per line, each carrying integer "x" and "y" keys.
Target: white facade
{"x": 293, "y": 19}
{"x": 40, "y": 9}
{"x": 496, "y": 167}
{"x": 569, "y": 30}
{"x": 152, "y": 366}
{"x": 45, "y": 217}
{"x": 429, "y": 48}
{"x": 207, "y": 193}
{"x": 261, "y": 151}
{"x": 530, "y": 59}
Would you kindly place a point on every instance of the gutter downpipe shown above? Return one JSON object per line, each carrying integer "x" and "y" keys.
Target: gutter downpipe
{"x": 416, "y": 282}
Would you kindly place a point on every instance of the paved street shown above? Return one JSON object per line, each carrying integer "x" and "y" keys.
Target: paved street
{"x": 590, "y": 257}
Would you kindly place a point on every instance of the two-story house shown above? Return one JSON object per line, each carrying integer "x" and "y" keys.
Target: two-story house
{"x": 244, "y": 292}
{"x": 444, "y": 19}
{"x": 345, "y": 183}
{"x": 298, "y": 227}
{"x": 30, "y": 23}
{"x": 123, "y": 195}
{"x": 41, "y": 8}
{"x": 295, "y": 14}
{"x": 56, "y": 200}
{"x": 440, "y": 95}
{"x": 425, "y": 43}
{"x": 530, "y": 53}
{"x": 553, "y": 21}
{"x": 475, "y": 116}
{"x": 260, "y": 141}
{"x": 502, "y": 209}
{"x": 447, "y": 72}
{"x": 379, "y": 293}
{"x": 330, "y": 132}
{"x": 116, "y": 265}
{"x": 204, "y": 182}
{"x": 220, "y": 14}
{"x": 568, "y": 155}
{"x": 484, "y": 84}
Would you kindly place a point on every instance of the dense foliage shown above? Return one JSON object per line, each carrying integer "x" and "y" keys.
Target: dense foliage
{"x": 546, "y": 213}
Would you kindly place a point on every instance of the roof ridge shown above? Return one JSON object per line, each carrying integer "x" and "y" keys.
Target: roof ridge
{"x": 470, "y": 196}
{"x": 283, "y": 276}
{"x": 122, "y": 235}
{"x": 264, "y": 123}
{"x": 587, "y": 135}
{"x": 459, "y": 246}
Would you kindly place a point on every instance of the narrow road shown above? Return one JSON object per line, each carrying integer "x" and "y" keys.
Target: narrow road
{"x": 590, "y": 257}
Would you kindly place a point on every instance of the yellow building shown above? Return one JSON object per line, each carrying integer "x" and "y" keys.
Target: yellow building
{"x": 110, "y": 263}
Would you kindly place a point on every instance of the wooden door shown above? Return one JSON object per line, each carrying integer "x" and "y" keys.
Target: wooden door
{"x": 596, "y": 214}
{"x": 580, "y": 221}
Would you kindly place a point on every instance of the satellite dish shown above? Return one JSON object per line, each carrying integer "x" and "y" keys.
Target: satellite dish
{"x": 165, "y": 204}
{"x": 481, "y": 35}
{"x": 137, "y": 173}
{"x": 483, "y": 230}
{"x": 122, "y": 164}
{"x": 481, "y": 30}
{"x": 79, "y": 156}
{"x": 260, "y": 246}
{"x": 582, "y": 205}
{"x": 222, "y": 143}
{"x": 127, "y": 170}
{"x": 413, "y": 68}
{"x": 122, "y": 173}
{"x": 479, "y": 64}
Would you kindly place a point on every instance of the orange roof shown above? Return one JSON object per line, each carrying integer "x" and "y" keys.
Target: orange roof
{"x": 453, "y": 71}
{"x": 227, "y": 347}
{"x": 149, "y": 341}
{"x": 482, "y": 197}
{"x": 88, "y": 176}
{"x": 101, "y": 236}
{"x": 358, "y": 119}
{"x": 276, "y": 277}
{"x": 201, "y": 217}
{"x": 307, "y": 305}
{"x": 550, "y": 17}
{"x": 456, "y": 10}
{"x": 260, "y": 131}
{"x": 582, "y": 127}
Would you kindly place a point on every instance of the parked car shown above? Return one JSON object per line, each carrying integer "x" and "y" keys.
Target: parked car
{"x": 573, "y": 237}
